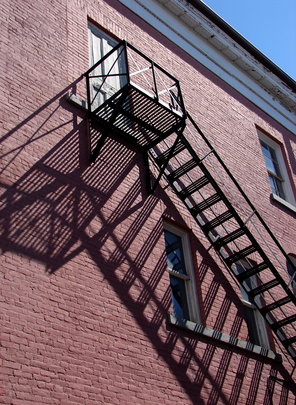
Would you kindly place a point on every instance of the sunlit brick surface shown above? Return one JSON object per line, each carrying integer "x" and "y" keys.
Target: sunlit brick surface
{"x": 84, "y": 284}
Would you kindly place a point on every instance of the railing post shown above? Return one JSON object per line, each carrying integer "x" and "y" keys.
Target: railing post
{"x": 126, "y": 62}
{"x": 154, "y": 79}
{"x": 88, "y": 94}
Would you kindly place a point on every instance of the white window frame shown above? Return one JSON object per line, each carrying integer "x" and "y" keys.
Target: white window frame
{"x": 292, "y": 273}
{"x": 101, "y": 43}
{"x": 189, "y": 278}
{"x": 260, "y": 323}
{"x": 286, "y": 184}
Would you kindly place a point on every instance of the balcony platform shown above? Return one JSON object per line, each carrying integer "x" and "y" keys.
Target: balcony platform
{"x": 138, "y": 116}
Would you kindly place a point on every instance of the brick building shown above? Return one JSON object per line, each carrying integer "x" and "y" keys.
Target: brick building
{"x": 147, "y": 208}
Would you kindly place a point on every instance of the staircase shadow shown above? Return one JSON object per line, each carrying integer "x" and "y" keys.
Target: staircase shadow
{"x": 60, "y": 211}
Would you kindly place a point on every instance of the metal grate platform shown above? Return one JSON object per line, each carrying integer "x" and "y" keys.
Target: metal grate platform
{"x": 138, "y": 116}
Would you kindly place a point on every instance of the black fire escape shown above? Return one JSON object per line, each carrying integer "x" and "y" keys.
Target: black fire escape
{"x": 129, "y": 94}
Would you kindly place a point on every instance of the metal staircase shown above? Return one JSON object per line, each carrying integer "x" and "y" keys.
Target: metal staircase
{"x": 228, "y": 226}
{"x": 155, "y": 119}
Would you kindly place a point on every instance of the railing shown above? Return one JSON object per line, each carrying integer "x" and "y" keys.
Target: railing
{"x": 125, "y": 65}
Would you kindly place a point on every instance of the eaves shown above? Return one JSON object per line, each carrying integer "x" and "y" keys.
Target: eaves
{"x": 223, "y": 51}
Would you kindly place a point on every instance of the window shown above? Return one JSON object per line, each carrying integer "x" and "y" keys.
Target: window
{"x": 276, "y": 168}
{"x": 179, "y": 262}
{"x": 292, "y": 272}
{"x": 99, "y": 45}
{"x": 255, "y": 321}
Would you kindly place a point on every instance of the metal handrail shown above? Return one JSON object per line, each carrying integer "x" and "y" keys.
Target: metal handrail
{"x": 242, "y": 192}
{"x": 153, "y": 67}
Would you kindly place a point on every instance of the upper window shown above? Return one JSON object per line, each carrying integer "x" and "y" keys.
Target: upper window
{"x": 182, "y": 284}
{"x": 276, "y": 168}
{"x": 108, "y": 79}
{"x": 274, "y": 173}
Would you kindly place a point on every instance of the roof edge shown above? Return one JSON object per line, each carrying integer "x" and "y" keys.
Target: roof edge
{"x": 242, "y": 41}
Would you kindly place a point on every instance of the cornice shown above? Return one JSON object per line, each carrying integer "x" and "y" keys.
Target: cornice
{"x": 197, "y": 35}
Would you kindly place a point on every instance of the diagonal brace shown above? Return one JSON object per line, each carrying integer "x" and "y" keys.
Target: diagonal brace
{"x": 165, "y": 163}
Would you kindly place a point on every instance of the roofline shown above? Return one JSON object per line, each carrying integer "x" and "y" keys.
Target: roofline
{"x": 236, "y": 36}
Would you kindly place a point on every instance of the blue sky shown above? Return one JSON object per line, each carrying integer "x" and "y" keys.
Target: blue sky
{"x": 269, "y": 25}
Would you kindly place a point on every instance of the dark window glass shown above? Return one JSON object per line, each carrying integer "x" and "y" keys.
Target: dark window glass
{"x": 292, "y": 273}
{"x": 252, "y": 326}
{"x": 175, "y": 262}
{"x": 179, "y": 299}
{"x": 273, "y": 168}
{"x": 174, "y": 252}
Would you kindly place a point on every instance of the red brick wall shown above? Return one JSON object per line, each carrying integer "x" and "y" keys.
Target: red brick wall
{"x": 84, "y": 288}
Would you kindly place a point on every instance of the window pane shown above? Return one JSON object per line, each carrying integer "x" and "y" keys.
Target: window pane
{"x": 272, "y": 165}
{"x": 252, "y": 326}
{"x": 272, "y": 182}
{"x": 292, "y": 273}
{"x": 174, "y": 251}
{"x": 104, "y": 87}
{"x": 179, "y": 299}
{"x": 252, "y": 316}
{"x": 276, "y": 186}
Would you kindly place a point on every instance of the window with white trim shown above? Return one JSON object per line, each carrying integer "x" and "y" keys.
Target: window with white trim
{"x": 255, "y": 322}
{"x": 181, "y": 274}
{"x": 276, "y": 168}
{"x": 99, "y": 45}
{"x": 292, "y": 272}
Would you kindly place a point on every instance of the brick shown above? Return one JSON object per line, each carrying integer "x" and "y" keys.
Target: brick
{"x": 84, "y": 289}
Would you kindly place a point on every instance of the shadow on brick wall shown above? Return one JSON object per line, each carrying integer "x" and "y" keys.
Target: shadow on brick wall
{"x": 59, "y": 211}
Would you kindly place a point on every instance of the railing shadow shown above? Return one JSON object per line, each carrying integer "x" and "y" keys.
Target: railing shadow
{"x": 59, "y": 208}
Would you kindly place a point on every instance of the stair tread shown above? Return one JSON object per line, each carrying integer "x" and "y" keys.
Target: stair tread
{"x": 208, "y": 202}
{"x": 220, "y": 219}
{"x": 274, "y": 305}
{"x": 251, "y": 271}
{"x": 288, "y": 342}
{"x": 283, "y": 322}
{"x": 196, "y": 185}
{"x": 235, "y": 257}
{"x": 264, "y": 287}
{"x": 229, "y": 237}
{"x": 183, "y": 169}
{"x": 163, "y": 157}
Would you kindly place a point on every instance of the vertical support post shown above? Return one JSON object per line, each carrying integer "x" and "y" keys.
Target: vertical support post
{"x": 126, "y": 63}
{"x": 88, "y": 94}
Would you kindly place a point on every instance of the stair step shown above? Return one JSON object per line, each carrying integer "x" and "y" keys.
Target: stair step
{"x": 229, "y": 238}
{"x": 171, "y": 152}
{"x": 198, "y": 184}
{"x": 251, "y": 271}
{"x": 288, "y": 342}
{"x": 283, "y": 322}
{"x": 220, "y": 219}
{"x": 275, "y": 305}
{"x": 240, "y": 255}
{"x": 182, "y": 170}
{"x": 264, "y": 287}
{"x": 208, "y": 202}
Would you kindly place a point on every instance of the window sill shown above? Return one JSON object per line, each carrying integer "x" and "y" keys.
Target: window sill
{"x": 222, "y": 337}
{"x": 77, "y": 101}
{"x": 283, "y": 202}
